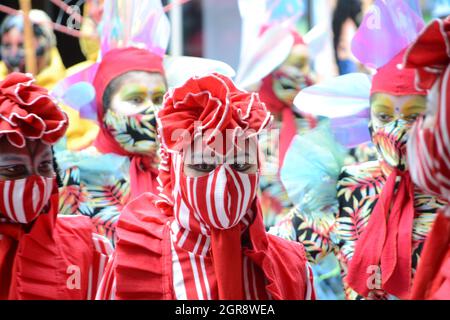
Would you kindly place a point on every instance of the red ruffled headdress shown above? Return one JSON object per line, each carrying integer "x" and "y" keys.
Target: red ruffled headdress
{"x": 215, "y": 105}
{"x": 28, "y": 112}
{"x": 115, "y": 63}
{"x": 430, "y": 53}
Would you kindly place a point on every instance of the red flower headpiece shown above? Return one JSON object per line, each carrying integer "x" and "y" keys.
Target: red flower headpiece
{"x": 216, "y": 105}
{"x": 28, "y": 112}
{"x": 209, "y": 105}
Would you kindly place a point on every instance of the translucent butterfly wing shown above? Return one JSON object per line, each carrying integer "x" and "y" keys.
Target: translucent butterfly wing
{"x": 387, "y": 29}
{"x": 346, "y": 101}
{"x": 311, "y": 169}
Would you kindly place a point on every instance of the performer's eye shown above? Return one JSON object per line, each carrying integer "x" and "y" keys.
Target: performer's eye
{"x": 12, "y": 171}
{"x": 242, "y": 167}
{"x": 46, "y": 167}
{"x": 384, "y": 117}
{"x": 158, "y": 99}
{"x": 137, "y": 100}
{"x": 203, "y": 167}
{"x": 413, "y": 117}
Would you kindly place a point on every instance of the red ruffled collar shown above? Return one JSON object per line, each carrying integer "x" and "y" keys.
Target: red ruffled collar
{"x": 144, "y": 260}
{"x": 44, "y": 253}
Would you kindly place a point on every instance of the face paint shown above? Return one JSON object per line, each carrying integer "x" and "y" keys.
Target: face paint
{"x": 391, "y": 119}
{"x": 135, "y": 98}
{"x": 22, "y": 201}
{"x": 387, "y": 108}
{"x": 241, "y": 155}
{"x": 12, "y": 50}
{"x": 36, "y": 158}
{"x": 131, "y": 117}
{"x": 292, "y": 76}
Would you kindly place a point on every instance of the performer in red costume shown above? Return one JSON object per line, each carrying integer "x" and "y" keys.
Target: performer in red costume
{"x": 203, "y": 237}
{"x": 130, "y": 129}
{"x": 123, "y": 161}
{"x": 429, "y": 147}
{"x": 380, "y": 220}
{"x": 122, "y": 91}
{"x": 43, "y": 256}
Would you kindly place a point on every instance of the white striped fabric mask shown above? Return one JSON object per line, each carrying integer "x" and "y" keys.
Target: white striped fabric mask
{"x": 22, "y": 201}
{"x": 222, "y": 198}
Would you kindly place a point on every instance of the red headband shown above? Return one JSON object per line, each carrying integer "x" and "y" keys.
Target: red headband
{"x": 118, "y": 62}
{"x": 394, "y": 80}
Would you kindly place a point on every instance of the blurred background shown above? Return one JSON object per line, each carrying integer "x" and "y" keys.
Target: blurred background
{"x": 212, "y": 28}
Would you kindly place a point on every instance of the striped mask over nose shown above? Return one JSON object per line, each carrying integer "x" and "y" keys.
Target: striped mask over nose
{"x": 22, "y": 201}
{"x": 222, "y": 198}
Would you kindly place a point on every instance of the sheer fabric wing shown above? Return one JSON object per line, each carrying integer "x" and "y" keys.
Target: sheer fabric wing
{"x": 311, "y": 168}
{"x": 268, "y": 52}
{"x": 388, "y": 28}
{"x": 345, "y": 100}
{"x": 180, "y": 69}
{"x": 77, "y": 92}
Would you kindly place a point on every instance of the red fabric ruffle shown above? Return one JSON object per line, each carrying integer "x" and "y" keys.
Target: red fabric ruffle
{"x": 28, "y": 112}
{"x": 144, "y": 260}
{"x": 430, "y": 53}
{"x": 143, "y": 263}
{"x": 432, "y": 280}
{"x": 44, "y": 256}
{"x": 282, "y": 262}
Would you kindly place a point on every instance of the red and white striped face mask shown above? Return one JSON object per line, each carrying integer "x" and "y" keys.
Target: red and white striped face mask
{"x": 22, "y": 201}
{"x": 222, "y": 198}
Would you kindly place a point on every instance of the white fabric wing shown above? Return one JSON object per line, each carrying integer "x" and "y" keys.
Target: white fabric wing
{"x": 180, "y": 69}
{"x": 338, "y": 97}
